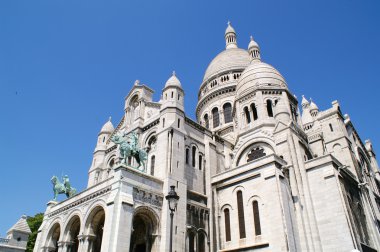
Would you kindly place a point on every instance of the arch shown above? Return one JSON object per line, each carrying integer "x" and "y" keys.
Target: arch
{"x": 54, "y": 235}
{"x": 72, "y": 230}
{"x": 94, "y": 227}
{"x": 266, "y": 142}
{"x": 241, "y": 219}
{"x": 254, "y": 112}
{"x": 215, "y": 117}
{"x": 269, "y": 108}
{"x": 145, "y": 225}
{"x": 247, "y": 115}
{"x": 206, "y": 120}
{"x": 227, "y": 111}
{"x": 227, "y": 224}
{"x": 193, "y": 155}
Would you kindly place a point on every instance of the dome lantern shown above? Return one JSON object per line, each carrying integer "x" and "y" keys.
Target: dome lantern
{"x": 230, "y": 36}
{"x": 254, "y": 50}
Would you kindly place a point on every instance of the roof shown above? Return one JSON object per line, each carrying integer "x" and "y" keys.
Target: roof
{"x": 21, "y": 225}
{"x": 230, "y": 59}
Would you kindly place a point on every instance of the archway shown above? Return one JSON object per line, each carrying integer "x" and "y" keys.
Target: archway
{"x": 95, "y": 224}
{"x": 73, "y": 228}
{"x": 144, "y": 231}
{"x": 53, "y": 238}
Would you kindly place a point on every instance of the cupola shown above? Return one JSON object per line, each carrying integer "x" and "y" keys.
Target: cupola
{"x": 254, "y": 50}
{"x": 230, "y": 36}
{"x": 313, "y": 108}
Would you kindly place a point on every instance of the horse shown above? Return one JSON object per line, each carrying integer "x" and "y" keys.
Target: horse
{"x": 128, "y": 148}
{"x": 65, "y": 188}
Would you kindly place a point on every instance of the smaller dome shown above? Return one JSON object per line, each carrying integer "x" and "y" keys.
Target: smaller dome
{"x": 313, "y": 106}
{"x": 229, "y": 28}
{"x": 305, "y": 102}
{"x": 252, "y": 44}
{"x": 259, "y": 75}
{"x": 107, "y": 127}
{"x": 173, "y": 81}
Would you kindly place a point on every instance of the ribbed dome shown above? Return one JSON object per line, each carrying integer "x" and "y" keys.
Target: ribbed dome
{"x": 107, "y": 127}
{"x": 259, "y": 75}
{"x": 173, "y": 81}
{"x": 230, "y": 59}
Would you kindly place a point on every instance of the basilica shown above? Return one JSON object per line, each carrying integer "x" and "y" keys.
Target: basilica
{"x": 256, "y": 171}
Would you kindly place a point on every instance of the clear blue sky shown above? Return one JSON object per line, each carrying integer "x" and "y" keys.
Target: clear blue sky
{"x": 66, "y": 66}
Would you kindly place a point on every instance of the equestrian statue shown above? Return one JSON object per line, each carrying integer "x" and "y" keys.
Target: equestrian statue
{"x": 128, "y": 146}
{"x": 62, "y": 188}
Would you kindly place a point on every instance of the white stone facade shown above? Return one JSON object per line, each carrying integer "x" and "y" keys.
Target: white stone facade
{"x": 252, "y": 173}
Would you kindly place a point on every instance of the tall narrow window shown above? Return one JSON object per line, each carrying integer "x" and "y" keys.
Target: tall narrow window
{"x": 240, "y": 206}
{"x": 269, "y": 108}
{"x": 179, "y": 123}
{"x": 201, "y": 242}
{"x": 152, "y": 163}
{"x": 163, "y": 122}
{"x": 194, "y": 150}
{"x": 207, "y": 124}
{"x": 200, "y": 162}
{"x": 227, "y": 110}
{"x": 256, "y": 217}
{"x": 247, "y": 115}
{"x": 331, "y": 127}
{"x": 215, "y": 117}
{"x": 254, "y": 111}
{"x": 191, "y": 242}
{"x": 187, "y": 156}
{"x": 227, "y": 224}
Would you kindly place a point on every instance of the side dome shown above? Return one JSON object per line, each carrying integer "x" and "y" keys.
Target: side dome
{"x": 259, "y": 75}
{"x": 229, "y": 59}
{"x": 107, "y": 127}
{"x": 173, "y": 81}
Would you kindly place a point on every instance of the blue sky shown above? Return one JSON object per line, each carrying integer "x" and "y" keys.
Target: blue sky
{"x": 66, "y": 66}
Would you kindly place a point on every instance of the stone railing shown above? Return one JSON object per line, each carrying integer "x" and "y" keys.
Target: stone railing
{"x": 4, "y": 241}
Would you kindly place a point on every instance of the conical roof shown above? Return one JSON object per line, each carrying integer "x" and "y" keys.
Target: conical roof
{"x": 21, "y": 226}
{"x": 107, "y": 127}
{"x": 173, "y": 81}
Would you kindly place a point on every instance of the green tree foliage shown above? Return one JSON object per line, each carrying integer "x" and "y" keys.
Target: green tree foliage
{"x": 34, "y": 224}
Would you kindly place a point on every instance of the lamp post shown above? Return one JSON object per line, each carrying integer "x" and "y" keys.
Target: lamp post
{"x": 172, "y": 199}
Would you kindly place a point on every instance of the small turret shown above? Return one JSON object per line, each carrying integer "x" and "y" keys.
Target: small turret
{"x": 230, "y": 36}
{"x": 104, "y": 134}
{"x": 313, "y": 108}
{"x": 254, "y": 50}
{"x": 172, "y": 94}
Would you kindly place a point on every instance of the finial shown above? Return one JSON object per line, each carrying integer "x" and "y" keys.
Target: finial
{"x": 251, "y": 38}
{"x": 228, "y": 22}
{"x": 109, "y": 118}
{"x": 137, "y": 82}
{"x": 173, "y": 73}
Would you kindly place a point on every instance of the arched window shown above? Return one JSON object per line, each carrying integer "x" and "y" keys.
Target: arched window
{"x": 247, "y": 115}
{"x": 227, "y": 224}
{"x": 240, "y": 206}
{"x": 207, "y": 124}
{"x": 254, "y": 111}
{"x": 269, "y": 108}
{"x": 256, "y": 217}
{"x": 192, "y": 240}
{"x": 227, "y": 110}
{"x": 152, "y": 164}
{"x": 194, "y": 151}
{"x": 215, "y": 117}
{"x": 201, "y": 242}
{"x": 187, "y": 156}
{"x": 200, "y": 162}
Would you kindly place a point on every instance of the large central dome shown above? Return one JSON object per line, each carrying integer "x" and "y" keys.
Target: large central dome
{"x": 233, "y": 58}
